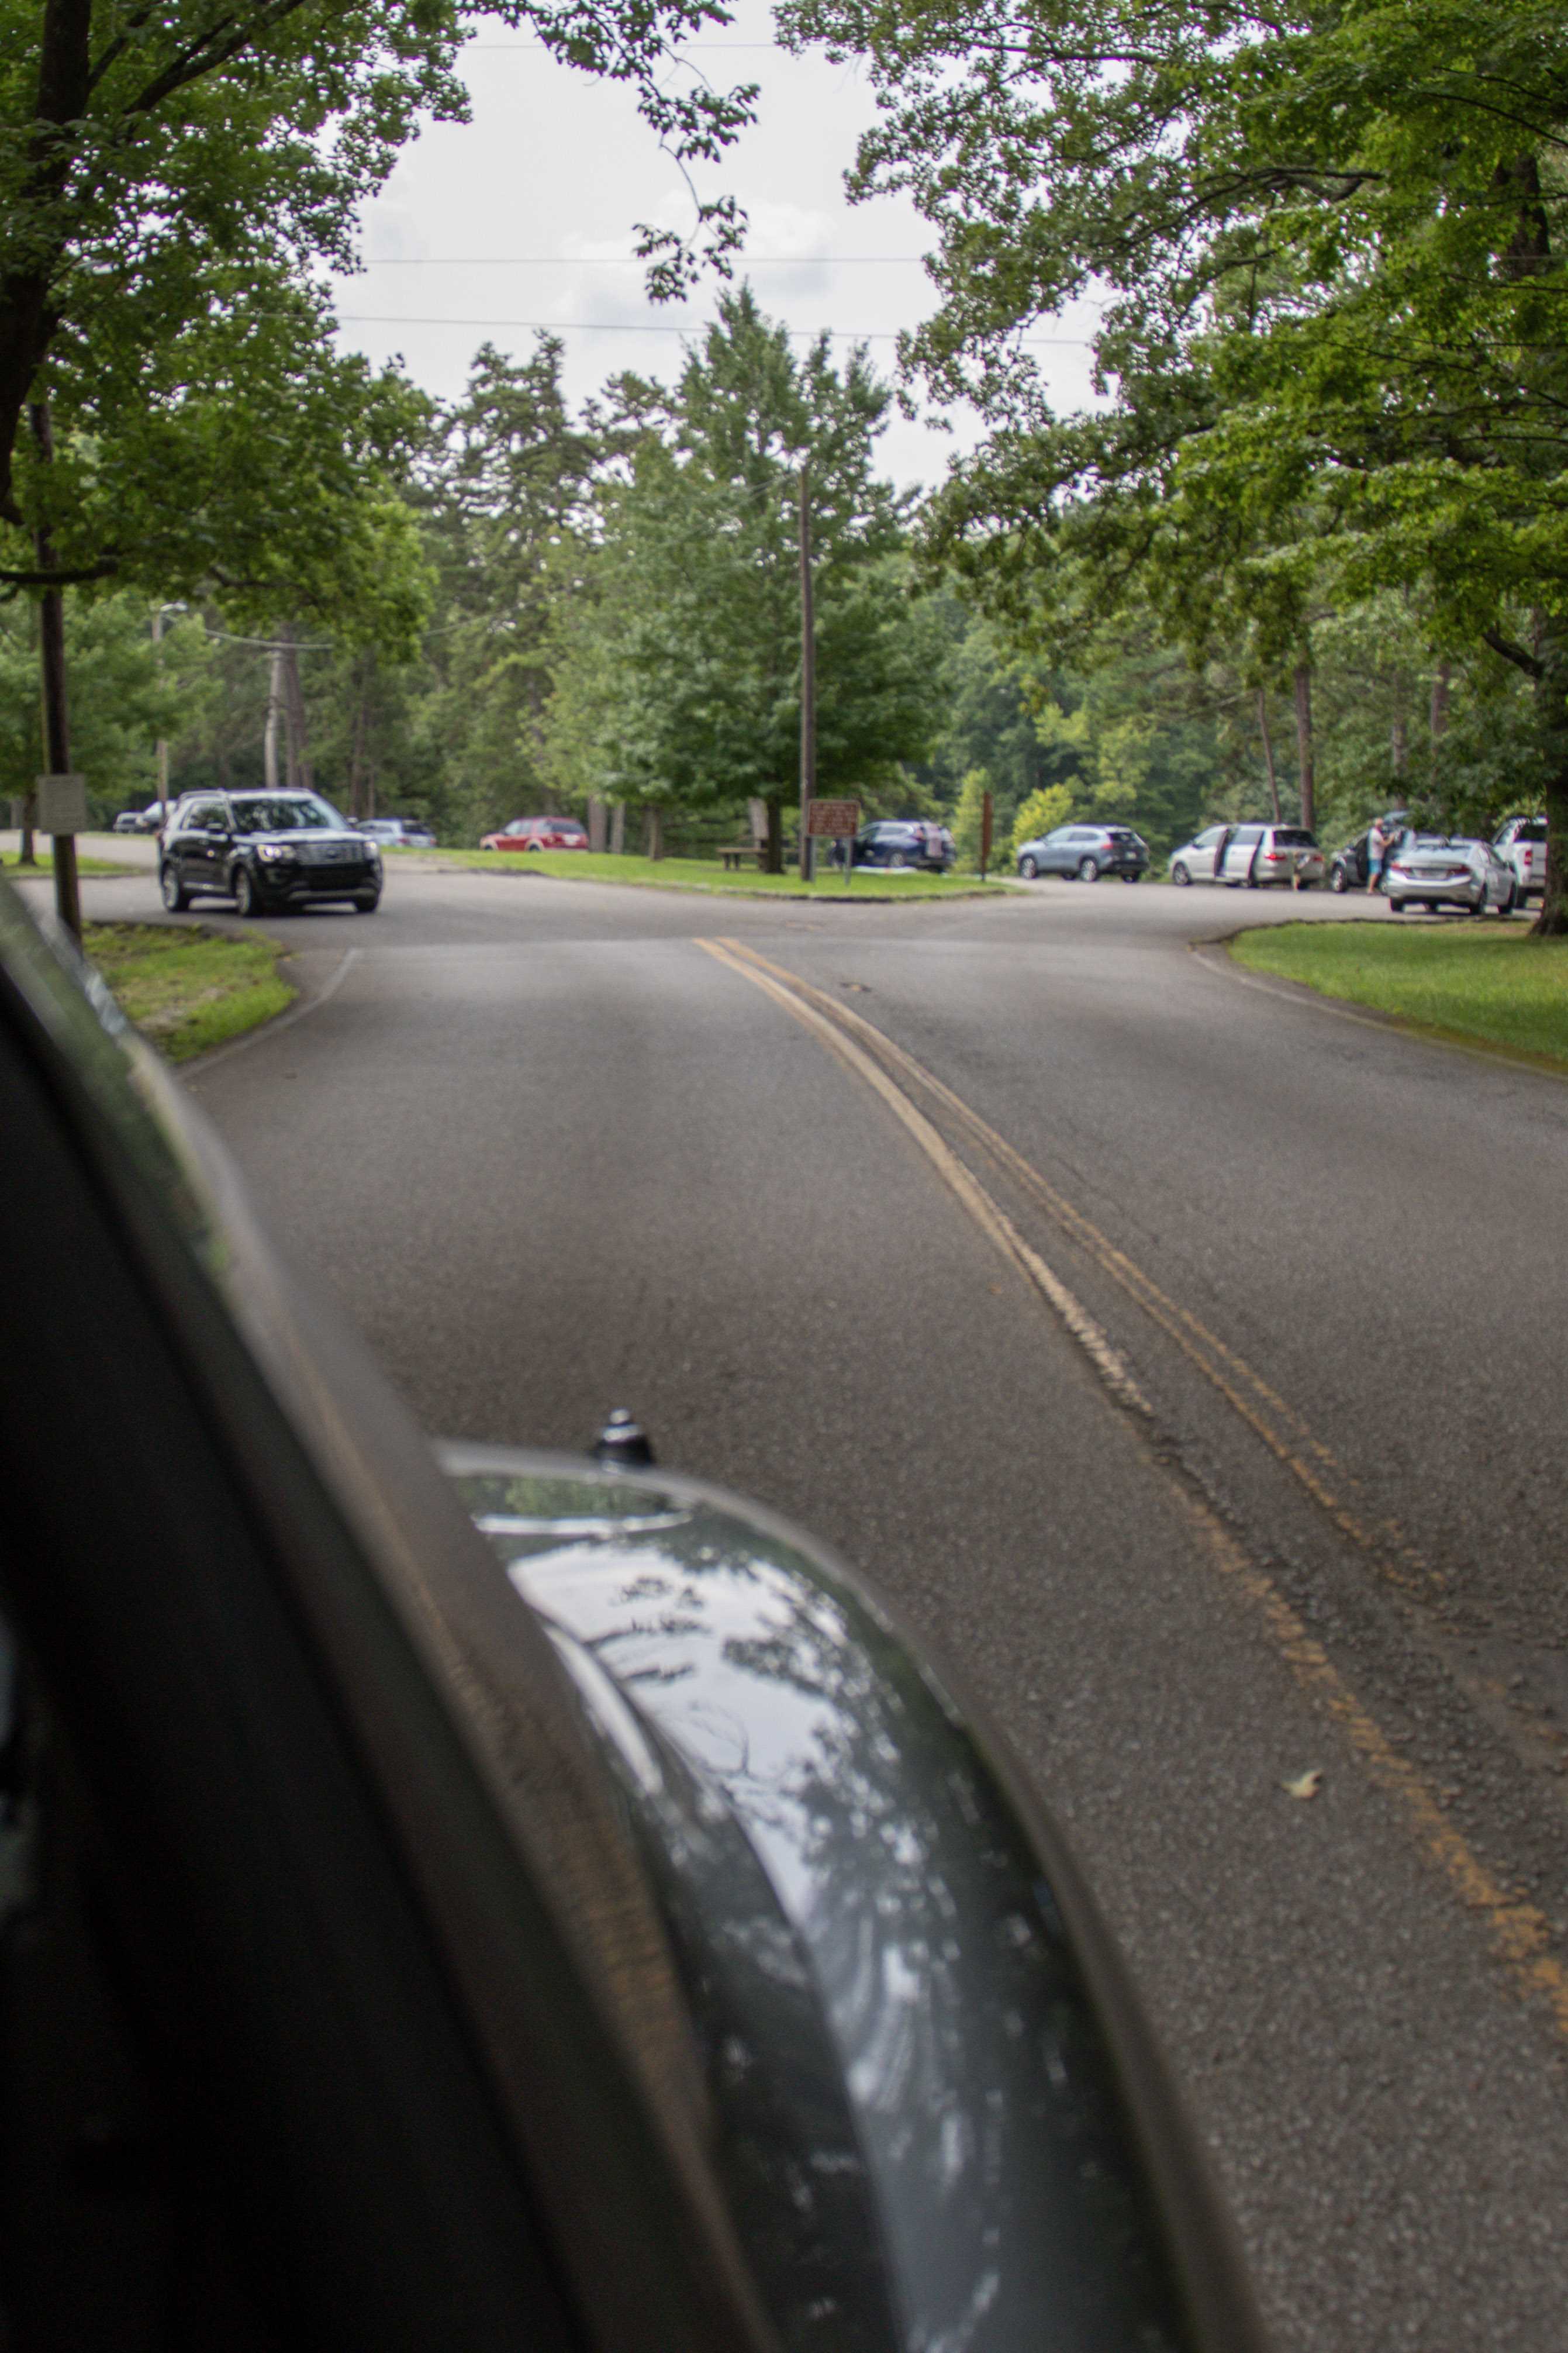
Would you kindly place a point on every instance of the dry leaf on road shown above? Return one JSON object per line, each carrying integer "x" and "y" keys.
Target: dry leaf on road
{"x": 1307, "y": 1784}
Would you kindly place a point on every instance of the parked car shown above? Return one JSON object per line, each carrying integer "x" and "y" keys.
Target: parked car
{"x": 1349, "y": 868}
{"x": 398, "y": 832}
{"x": 1441, "y": 870}
{"x": 272, "y": 851}
{"x": 1521, "y": 843}
{"x": 1087, "y": 851}
{"x": 539, "y": 833}
{"x": 143, "y": 820}
{"x": 902, "y": 843}
{"x": 495, "y": 1900}
{"x": 1252, "y": 855}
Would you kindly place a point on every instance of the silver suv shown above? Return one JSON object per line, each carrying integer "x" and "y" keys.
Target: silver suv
{"x": 1521, "y": 842}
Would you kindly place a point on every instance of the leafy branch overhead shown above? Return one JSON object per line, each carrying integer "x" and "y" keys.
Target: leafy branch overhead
{"x": 143, "y": 150}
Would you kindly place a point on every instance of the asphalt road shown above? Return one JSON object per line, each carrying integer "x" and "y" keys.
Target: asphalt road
{"x": 1217, "y": 1441}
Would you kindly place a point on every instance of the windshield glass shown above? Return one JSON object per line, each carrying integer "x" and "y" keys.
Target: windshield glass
{"x": 1295, "y": 836}
{"x": 299, "y": 813}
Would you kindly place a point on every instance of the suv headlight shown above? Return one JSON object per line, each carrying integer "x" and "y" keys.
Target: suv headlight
{"x": 273, "y": 851}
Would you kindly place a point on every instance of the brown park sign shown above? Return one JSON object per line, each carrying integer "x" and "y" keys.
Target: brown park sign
{"x": 835, "y": 819}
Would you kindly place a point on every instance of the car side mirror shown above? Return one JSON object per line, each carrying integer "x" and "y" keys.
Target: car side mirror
{"x": 846, "y": 1860}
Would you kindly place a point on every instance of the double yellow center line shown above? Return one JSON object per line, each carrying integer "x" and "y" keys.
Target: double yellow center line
{"x": 1519, "y": 1930}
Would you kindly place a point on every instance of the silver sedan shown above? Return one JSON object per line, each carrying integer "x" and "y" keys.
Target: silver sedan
{"x": 1440, "y": 869}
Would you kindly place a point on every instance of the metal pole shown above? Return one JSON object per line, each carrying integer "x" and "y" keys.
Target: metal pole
{"x": 52, "y": 664}
{"x": 807, "y": 676}
{"x": 161, "y": 748}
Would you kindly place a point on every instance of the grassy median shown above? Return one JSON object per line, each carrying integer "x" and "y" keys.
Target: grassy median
{"x": 43, "y": 867}
{"x": 1494, "y": 987}
{"x": 188, "y": 988}
{"x": 707, "y": 874}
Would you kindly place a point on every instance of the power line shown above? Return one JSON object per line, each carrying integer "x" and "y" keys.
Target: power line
{"x": 628, "y": 327}
{"x": 681, "y": 47}
{"x": 622, "y": 262}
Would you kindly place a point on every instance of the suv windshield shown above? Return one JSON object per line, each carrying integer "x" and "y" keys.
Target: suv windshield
{"x": 301, "y": 813}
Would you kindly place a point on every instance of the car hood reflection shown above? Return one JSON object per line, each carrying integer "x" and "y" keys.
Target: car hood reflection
{"x": 922, "y": 2133}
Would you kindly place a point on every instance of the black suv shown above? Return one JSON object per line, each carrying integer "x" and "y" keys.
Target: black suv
{"x": 274, "y": 851}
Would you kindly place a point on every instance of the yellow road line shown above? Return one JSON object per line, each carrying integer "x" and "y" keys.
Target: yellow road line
{"x": 1279, "y": 1427}
{"x": 1519, "y": 1930}
{"x": 998, "y": 1228}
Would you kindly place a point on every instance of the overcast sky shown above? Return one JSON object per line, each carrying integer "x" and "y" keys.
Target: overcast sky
{"x": 526, "y": 214}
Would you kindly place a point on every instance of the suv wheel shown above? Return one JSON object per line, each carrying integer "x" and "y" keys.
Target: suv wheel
{"x": 1339, "y": 880}
{"x": 897, "y": 859}
{"x": 246, "y": 900}
{"x": 1029, "y": 869}
{"x": 1179, "y": 874}
{"x": 177, "y": 898}
{"x": 366, "y": 901}
{"x": 1089, "y": 871}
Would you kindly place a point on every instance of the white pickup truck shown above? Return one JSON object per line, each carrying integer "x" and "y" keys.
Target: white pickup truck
{"x": 1522, "y": 844}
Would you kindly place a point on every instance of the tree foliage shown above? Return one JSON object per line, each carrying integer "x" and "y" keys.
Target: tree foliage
{"x": 680, "y": 663}
{"x": 1329, "y": 253}
{"x": 144, "y": 149}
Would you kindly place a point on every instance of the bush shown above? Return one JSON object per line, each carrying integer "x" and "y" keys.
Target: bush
{"x": 1042, "y": 813}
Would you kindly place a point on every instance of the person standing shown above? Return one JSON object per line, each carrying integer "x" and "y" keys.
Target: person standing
{"x": 1378, "y": 845}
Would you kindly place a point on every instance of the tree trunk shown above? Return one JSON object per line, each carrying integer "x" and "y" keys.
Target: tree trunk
{"x": 1267, "y": 749}
{"x": 618, "y": 829}
{"x": 1552, "y": 696}
{"x": 653, "y": 833}
{"x": 52, "y": 668}
{"x": 1438, "y": 724}
{"x": 773, "y": 861}
{"x": 1304, "y": 745}
{"x": 1399, "y": 751}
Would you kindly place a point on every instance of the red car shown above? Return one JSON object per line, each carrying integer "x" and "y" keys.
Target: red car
{"x": 539, "y": 833}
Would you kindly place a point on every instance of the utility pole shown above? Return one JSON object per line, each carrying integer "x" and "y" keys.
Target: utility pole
{"x": 807, "y": 676}
{"x": 1267, "y": 749}
{"x": 1304, "y": 744}
{"x": 274, "y": 711}
{"x": 52, "y": 666}
{"x": 161, "y": 748}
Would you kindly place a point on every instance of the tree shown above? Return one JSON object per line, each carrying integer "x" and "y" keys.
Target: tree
{"x": 507, "y": 485}
{"x": 130, "y": 691}
{"x": 143, "y": 149}
{"x": 1330, "y": 255}
{"x": 679, "y": 673}
{"x": 240, "y": 456}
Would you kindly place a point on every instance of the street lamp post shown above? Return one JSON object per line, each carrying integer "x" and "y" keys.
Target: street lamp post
{"x": 807, "y": 676}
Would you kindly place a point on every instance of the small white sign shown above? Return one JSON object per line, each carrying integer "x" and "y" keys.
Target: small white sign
{"x": 62, "y": 804}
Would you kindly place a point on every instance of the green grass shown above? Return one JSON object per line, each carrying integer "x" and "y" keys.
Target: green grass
{"x": 188, "y": 988}
{"x": 43, "y": 868}
{"x": 707, "y": 874}
{"x": 1496, "y": 987}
